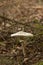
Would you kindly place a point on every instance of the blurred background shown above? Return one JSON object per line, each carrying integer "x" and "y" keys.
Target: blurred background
{"x": 25, "y": 15}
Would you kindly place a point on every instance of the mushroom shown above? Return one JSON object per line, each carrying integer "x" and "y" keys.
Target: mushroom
{"x": 22, "y": 34}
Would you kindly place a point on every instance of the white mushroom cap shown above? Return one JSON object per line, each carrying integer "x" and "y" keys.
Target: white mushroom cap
{"x": 21, "y": 33}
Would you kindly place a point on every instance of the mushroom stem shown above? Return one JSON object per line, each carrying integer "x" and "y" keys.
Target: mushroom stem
{"x": 23, "y": 48}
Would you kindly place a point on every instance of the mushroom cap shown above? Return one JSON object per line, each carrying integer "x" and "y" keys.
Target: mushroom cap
{"x": 21, "y": 33}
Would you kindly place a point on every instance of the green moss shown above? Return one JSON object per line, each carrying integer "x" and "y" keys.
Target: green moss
{"x": 39, "y": 63}
{"x": 38, "y": 26}
{"x": 5, "y": 61}
{"x": 2, "y": 43}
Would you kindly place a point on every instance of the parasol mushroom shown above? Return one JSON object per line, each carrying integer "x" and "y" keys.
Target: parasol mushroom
{"x": 22, "y": 34}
